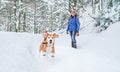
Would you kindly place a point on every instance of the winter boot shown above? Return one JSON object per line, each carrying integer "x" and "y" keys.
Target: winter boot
{"x": 75, "y": 45}
{"x": 72, "y": 44}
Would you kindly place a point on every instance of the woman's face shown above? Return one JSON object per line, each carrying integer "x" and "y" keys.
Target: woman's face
{"x": 73, "y": 13}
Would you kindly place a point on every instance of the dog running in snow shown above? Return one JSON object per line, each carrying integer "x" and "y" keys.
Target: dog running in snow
{"x": 48, "y": 43}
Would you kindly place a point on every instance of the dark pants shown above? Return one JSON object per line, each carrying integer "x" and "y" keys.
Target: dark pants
{"x": 73, "y": 38}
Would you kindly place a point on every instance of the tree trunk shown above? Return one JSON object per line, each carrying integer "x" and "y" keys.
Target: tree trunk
{"x": 24, "y": 23}
{"x": 75, "y": 3}
{"x": 51, "y": 19}
{"x": 9, "y": 20}
{"x": 69, "y": 6}
{"x": 93, "y": 6}
{"x": 35, "y": 29}
{"x": 15, "y": 17}
{"x": 19, "y": 21}
{"x": 119, "y": 16}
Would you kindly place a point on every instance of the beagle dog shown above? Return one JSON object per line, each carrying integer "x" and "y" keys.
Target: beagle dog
{"x": 47, "y": 44}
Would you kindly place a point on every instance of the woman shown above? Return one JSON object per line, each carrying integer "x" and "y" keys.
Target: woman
{"x": 73, "y": 28}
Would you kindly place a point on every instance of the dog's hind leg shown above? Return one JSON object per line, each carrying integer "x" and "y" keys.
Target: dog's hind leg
{"x": 40, "y": 48}
{"x": 44, "y": 50}
{"x": 52, "y": 52}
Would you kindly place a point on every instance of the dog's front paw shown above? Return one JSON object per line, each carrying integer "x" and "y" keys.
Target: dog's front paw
{"x": 52, "y": 55}
{"x": 43, "y": 53}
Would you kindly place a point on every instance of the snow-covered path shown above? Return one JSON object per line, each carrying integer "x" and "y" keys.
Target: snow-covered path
{"x": 95, "y": 53}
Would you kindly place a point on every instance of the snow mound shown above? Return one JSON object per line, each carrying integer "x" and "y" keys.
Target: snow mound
{"x": 95, "y": 53}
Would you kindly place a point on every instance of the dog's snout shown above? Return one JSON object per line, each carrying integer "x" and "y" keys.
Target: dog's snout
{"x": 50, "y": 41}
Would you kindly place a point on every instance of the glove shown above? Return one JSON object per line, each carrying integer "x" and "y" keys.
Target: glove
{"x": 67, "y": 32}
{"x": 77, "y": 34}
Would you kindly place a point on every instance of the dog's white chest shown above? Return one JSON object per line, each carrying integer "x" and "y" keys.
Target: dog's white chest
{"x": 49, "y": 48}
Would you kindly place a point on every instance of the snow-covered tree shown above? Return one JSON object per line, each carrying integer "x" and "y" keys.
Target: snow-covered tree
{"x": 35, "y": 16}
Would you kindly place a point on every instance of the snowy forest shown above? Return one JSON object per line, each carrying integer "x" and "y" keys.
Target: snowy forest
{"x": 27, "y": 46}
{"x": 34, "y": 16}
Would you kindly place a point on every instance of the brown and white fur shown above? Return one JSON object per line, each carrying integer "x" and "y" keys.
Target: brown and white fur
{"x": 48, "y": 44}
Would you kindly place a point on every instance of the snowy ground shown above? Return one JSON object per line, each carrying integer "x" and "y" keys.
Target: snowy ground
{"x": 95, "y": 53}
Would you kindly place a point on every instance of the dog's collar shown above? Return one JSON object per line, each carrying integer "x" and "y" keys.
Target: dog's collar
{"x": 44, "y": 43}
{"x": 50, "y": 44}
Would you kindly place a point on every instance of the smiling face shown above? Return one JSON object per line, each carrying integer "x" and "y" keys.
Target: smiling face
{"x": 73, "y": 13}
{"x": 51, "y": 38}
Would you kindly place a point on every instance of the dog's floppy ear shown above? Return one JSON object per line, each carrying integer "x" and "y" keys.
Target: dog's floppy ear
{"x": 45, "y": 31}
{"x": 55, "y": 35}
{"x": 45, "y": 35}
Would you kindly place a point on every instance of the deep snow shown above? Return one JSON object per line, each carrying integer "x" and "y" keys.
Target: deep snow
{"x": 95, "y": 53}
